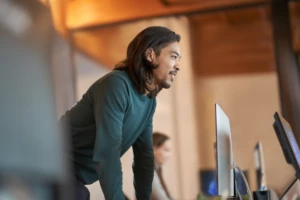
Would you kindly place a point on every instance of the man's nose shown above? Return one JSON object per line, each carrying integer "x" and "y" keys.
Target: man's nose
{"x": 177, "y": 66}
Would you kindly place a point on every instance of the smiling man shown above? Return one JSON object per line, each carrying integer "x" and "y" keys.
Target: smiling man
{"x": 116, "y": 113}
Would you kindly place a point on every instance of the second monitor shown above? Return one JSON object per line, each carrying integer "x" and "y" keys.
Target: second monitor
{"x": 225, "y": 174}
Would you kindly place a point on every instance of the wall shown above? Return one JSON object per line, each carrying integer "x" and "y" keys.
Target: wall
{"x": 63, "y": 75}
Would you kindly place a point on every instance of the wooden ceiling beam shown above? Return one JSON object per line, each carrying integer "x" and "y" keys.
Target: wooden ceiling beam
{"x": 94, "y": 13}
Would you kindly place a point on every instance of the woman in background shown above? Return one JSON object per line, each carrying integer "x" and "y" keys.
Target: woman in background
{"x": 162, "y": 151}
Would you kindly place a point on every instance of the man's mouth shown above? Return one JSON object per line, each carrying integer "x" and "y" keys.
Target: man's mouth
{"x": 173, "y": 74}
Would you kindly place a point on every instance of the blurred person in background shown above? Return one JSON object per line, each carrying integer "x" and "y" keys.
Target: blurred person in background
{"x": 116, "y": 113}
{"x": 162, "y": 152}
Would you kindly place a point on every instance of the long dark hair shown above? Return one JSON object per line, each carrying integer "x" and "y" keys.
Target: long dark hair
{"x": 136, "y": 64}
{"x": 159, "y": 139}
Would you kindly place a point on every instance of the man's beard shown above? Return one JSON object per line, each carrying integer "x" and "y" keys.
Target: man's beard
{"x": 164, "y": 84}
{"x": 155, "y": 91}
{"x": 158, "y": 87}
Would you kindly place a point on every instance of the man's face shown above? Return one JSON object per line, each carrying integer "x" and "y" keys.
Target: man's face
{"x": 168, "y": 65}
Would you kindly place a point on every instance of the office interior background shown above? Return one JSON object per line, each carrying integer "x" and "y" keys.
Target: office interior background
{"x": 241, "y": 54}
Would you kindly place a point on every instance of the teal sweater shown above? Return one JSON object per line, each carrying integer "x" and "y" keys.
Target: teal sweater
{"x": 111, "y": 117}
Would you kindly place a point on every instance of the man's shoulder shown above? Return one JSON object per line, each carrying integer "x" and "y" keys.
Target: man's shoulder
{"x": 116, "y": 76}
{"x": 114, "y": 82}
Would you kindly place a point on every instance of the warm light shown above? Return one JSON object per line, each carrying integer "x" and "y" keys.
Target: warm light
{"x": 44, "y": 2}
{"x": 59, "y": 12}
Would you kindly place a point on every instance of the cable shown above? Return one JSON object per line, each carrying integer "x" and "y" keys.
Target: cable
{"x": 245, "y": 180}
{"x": 288, "y": 189}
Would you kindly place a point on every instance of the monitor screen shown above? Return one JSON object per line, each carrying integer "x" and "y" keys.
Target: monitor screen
{"x": 225, "y": 175}
{"x": 288, "y": 142}
{"x": 208, "y": 182}
{"x": 209, "y": 185}
{"x": 260, "y": 167}
{"x": 241, "y": 185}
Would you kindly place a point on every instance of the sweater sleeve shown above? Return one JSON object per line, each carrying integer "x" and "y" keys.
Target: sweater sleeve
{"x": 110, "y": 103}
{"x": 143, "y": 166}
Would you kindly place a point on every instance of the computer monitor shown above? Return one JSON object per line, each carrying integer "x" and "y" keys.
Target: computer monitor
{"x": 225, "y": 174}
{"x": 288, "y": 142}
{"x": 260, "y": 167}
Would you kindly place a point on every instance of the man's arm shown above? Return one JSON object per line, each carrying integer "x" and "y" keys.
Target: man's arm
{"x": 143, "y": 166}
{"x": 110, "y": 105}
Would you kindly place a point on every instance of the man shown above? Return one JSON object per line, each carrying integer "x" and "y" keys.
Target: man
{"x": 116, "y": 113}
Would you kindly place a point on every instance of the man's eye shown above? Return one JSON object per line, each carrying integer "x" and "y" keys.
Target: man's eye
{"x": 174, "y": 57}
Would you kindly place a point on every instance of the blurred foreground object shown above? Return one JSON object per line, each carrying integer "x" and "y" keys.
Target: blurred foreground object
{"x": 32, "y": 163}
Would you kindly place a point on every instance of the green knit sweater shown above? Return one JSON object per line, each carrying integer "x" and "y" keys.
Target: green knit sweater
{"x": 111, "y": 117}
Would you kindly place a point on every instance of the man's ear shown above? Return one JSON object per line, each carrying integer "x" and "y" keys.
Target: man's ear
{"x": 150, "y": 55}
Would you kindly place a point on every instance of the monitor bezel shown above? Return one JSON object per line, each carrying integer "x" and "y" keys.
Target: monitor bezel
{"x": 285, "y": 142}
